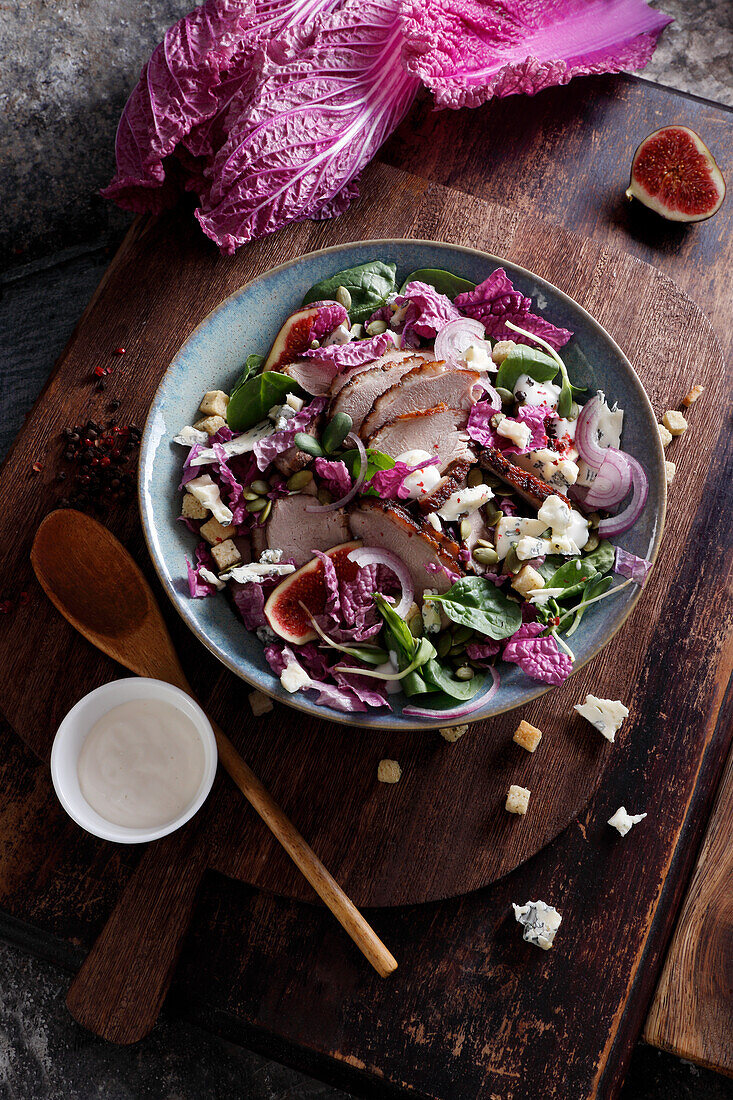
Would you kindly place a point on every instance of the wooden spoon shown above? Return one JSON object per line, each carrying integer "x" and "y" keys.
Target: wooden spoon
{"x": 93, "y": 581}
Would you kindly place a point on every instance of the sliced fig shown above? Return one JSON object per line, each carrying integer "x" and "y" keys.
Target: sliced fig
{"x": 308, "y": 322}
{"x": 307, "y": 585}
{"x": 675, "y": 174}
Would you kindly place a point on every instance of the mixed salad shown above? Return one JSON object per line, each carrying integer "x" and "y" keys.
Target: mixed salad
{"x": 408, "y": 491}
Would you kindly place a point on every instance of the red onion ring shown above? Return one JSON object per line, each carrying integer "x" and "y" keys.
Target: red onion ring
{"x": 616, "y": 525}
{"x": 612, "y": 482}
{"x": 493, "y": 397}
{"x": 461, "y": 711}
{"x": 455, "y": 338}
{"x": 586, "y": 437}
{"x": 363, "y": 463}
{"x": 374, "y": 555}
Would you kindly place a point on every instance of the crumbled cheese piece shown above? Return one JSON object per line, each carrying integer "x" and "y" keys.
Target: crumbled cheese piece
{"x": 271, "y": 557}
{"x": 434, "y": 520}
{"x": 527, "y": 580}
{"x": 664, "y": 435}
{"x": 342, "y": 334}
{"x": 390, "y": 668}
{"x": 214, "y": 403}
{"x": 191, "y": 508}
{"x": 215, "y": 532}
{"x": 529, "y": 392}
{"x": 453, "y": 733}
{"x": 528, "y": 548}
{"x": 207, "y": 491}
{"x": 605, "y": 714}
{"x": 296, "y": 403}
{"x": 260, "y": 703}
{"x": 541, "y": 596}
{"x": 189, "y": 435}
{"x": 556, "y": 514}
{"x": 502, "y": 348}
{"x": 225, "y": 554}
{"x": 517, "y": 799}
{"x": 670, "y": 469}
{"x": 464, "y": 501}
{"x": 527, "y": 735}
{"x": 266, "y": 634}
{"x": 519, "y": 434}
{"x": 622, "y": 821}
{"x": 211, "y": 578}
{"x": 550, "y": 466}
{"x": 540, "y": 922}
{"x": 294, "y": 677}
{"x": 430, "y": 613}
{"x": 254, "y": 572}
{"x": 479, "y": 357}
{"x": 692, "y": 395}
{"x": 511, "y": 528}
{"x": 563, "y": 544}
{"x": 389, "y": 771}
{"x": 210, "y": 425}
{"x": 674, "y": 422}
{"x": 569, "y": 529}
{"x": 240, "y": 445}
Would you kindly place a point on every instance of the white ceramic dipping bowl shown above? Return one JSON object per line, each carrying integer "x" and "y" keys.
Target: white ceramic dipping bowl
{"x": 77, "y": 725}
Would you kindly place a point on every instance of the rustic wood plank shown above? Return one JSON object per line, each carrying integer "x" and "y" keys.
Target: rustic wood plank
{"x": 476, "y": 1013}
{"x": 692, "y": 1010}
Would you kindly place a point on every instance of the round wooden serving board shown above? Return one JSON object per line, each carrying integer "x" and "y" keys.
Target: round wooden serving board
{"x": 442, "y": 830}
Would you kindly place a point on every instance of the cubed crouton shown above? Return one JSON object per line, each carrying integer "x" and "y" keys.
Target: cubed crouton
{"x": 527, "y": 580}
{"x": 664, "y": 435}
{"x": 214, "y": 403}
{"x": 517, "y": 800}
{"x": 674, "y": 422}
{"x": 226, "y": 555}
{"x": 453, "y": 733}
{"x": 670, "y": 469}
{"x": 692, "y": 395}
{"x": 192, "y": 508}
{"x": 527, "y": 735}
{"x": 501, "y": 349}
{"x": 215, "y": 532}
{"x": 260, "y": 703}
{"x": 389, "y": 771}
{"x": 210, "y": 424}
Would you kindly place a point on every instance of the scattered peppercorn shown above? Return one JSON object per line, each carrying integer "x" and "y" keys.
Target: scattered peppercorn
{"x": 115, "y": 404}
{"x": 99, "y": 371}
{"x": 24, "y": 598}
{"x": 119, "y": 351}
{"x": 98, "y": 480}
{"x": 36, "y": 467}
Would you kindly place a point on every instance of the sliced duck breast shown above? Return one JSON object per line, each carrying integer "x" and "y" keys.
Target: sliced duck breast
{"x": 312, "y": 375}
{"x": 298, "y": 532}
{"x": 393, "y": 356}
{"x": 439, "y": 431}
{"x": 387, "y": 525}
{"x": 452, "y": 480}
{"x": 359, "y": 394}
{"x": 531, "y": 488}
{"x": 423, "y": 387}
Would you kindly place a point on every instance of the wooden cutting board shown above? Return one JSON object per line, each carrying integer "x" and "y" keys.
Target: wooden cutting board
{"x": 442, "y": 830}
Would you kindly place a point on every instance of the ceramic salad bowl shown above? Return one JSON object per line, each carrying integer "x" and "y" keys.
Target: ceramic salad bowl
{"x": 248, "y": 322}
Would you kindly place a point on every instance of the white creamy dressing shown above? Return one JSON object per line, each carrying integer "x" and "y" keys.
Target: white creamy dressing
{"x": 422, "y": 481}
{"x": 529, "y": 392}
{"x": 141, "y": 764}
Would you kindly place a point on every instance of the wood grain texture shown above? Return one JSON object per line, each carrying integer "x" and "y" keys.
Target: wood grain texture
{"x": 692, "y": 1010}
{"x": 474, "y": 1012}
{"x": 384, "y": 845}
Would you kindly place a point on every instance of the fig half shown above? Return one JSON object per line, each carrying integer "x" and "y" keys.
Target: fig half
{"x": 675, "y": 174}
{"x": 307, "y": 586}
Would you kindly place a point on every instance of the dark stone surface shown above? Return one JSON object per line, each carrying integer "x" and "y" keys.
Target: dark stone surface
{"x": 68, "y": 67}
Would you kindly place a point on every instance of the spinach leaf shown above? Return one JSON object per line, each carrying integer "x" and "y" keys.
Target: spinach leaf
{"x": 525, "y": 360}
{"x": 376, "y": 460}
{"x": 400, "y": 641}
{"x": 252, "y": 366}
{"x": 476, "y": 602}
{"x": 251, "y": 403}
{"x": 549, "y": 566}
{"x": 445, "y": 282}
{"x": 368, "y": 284}
{"x": 596, "y": 586}
{"x": 440, "y": 678}
{"x": 571, "y": 577}
{"x": 603, "y": 557}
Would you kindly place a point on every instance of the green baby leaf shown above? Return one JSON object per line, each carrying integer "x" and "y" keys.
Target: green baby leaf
{"x": 445, "y": 282}
{"x": 478, "y": 603}
{"x": 525, "y": 360}
{"x": 251, "y": 402}
{"x": 368, "y": 284}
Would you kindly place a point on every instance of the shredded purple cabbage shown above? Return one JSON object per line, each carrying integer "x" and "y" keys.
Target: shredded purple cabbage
{"x": 334, "y": 476}
{"x": 354, "y": 353}
{"x": 537, "y": 657}
{"x": 495, "y": 301}
{"x": 390, "y": 484}
{"x": 427, "y": 310}
{"x": 630, "y": 566}
{"x": 267, "y": 449}
{"x": 199, "y": 588}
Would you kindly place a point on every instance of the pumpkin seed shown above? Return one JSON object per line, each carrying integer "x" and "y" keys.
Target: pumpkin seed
{"x": 512, "y": 563}
{"x": 336, "y": 432}
{"x": 492, "y": 514}
{"x": 324, "y": 497}
{"x": 457, "y": 650}
{"x": 343, "y": 297}
{"x": 376, "y": 328}
{"x": 265, "y": 513}
{"x": 592, "y": 544}
{"x": 594, "y": 519}
{"x": 492, "y": 480}
{"x": 257, "y": 504}
{"x": 461, "y": 634}
{"x": 507, "y": 397}
{"x": 443, "y": 644}
{"x": 249, "y": 495}
{"x": 466, "y": 527}
{"x": 475, "y": 478}
{"x": 486, "y": 555}
{"x": 465, "y": 672}
{"x": 259, "y": 487}
{"x": 357, "y": 332}
{"x": 308, "y": 444}
{"x": 298, "y": 481}
{"x": 416, "y": 625}
{"x": 574, "y": 411}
